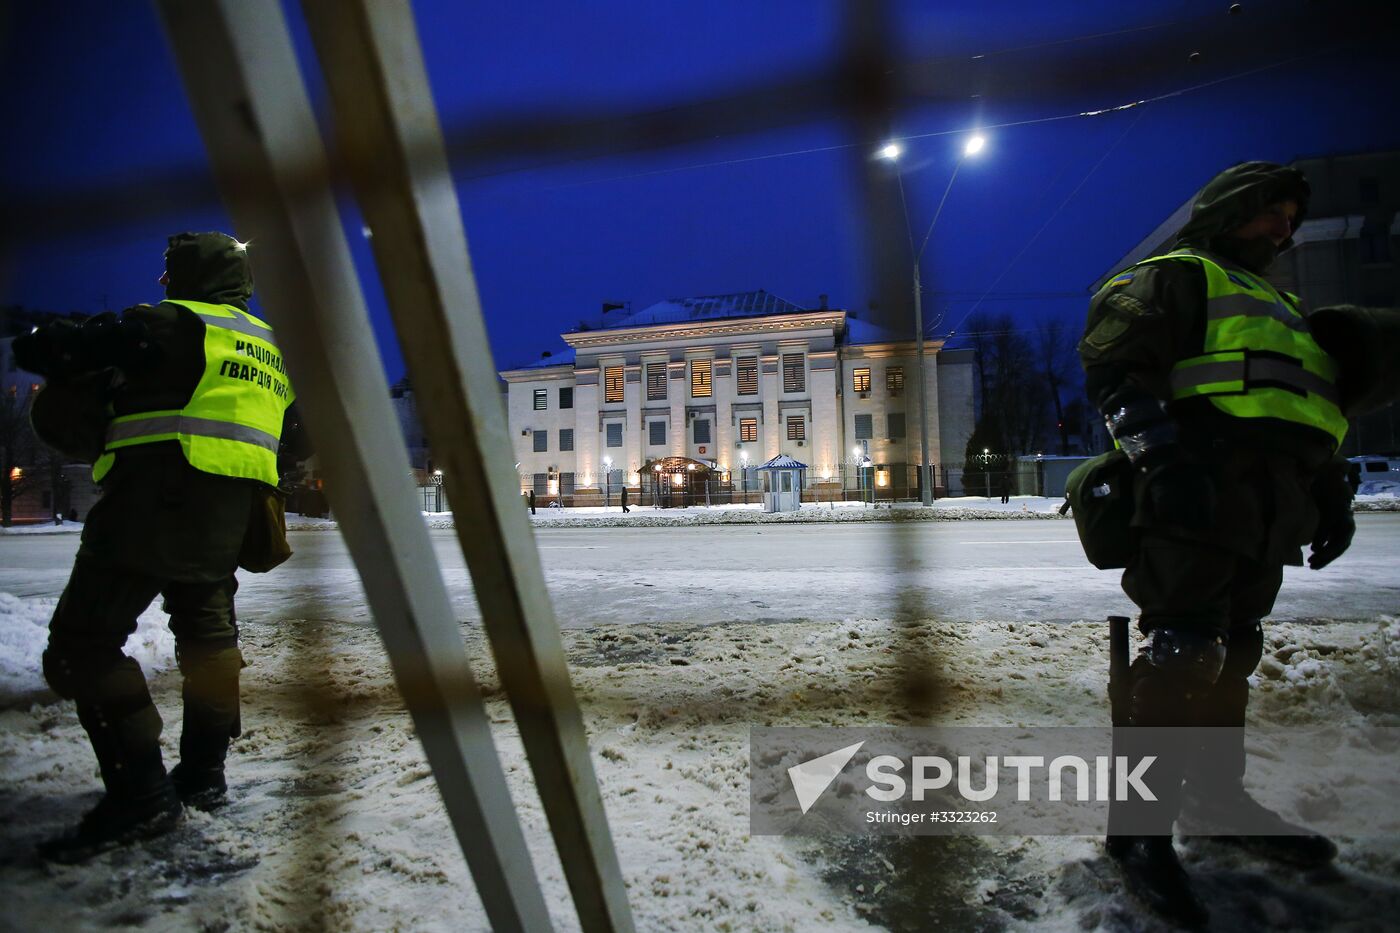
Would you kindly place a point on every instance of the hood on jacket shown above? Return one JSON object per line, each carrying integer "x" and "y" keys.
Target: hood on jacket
{"x": 210, "y": 267}
{"x": 1233, "y": 198}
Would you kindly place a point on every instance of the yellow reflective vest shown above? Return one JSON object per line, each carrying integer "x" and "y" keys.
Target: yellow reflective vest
{"x": 232, "y": 423}
{"x": 1260, "y": 359}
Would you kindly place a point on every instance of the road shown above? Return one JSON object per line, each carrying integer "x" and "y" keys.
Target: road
{"x": 1005, "y": 570}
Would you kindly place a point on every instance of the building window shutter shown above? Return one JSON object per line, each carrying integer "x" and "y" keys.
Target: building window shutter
{"x": 747, "y": 371}
{"x": 656, "y": 382}
{"x": 566, "y": 438}
{"x": 863, "y": 427}
{"x": 860, "y": 379}
{"x": 794, "y": 373}
{"x": 796, "y": 428}
{"x": 702, "y": 431}
{"x": 615, "y": 434}
{"x": 541, "y": 399}
{"x": 700, "y": 378}
{"x": 894, "y": 379}
{"x": 612, "y": 384}
{"x": 748, "y": 430}
{"x": 541, "y": 441}
{"x": 896, "y": 425}
{"x": 658, "y": 433}
{"x": 566, "y": 397}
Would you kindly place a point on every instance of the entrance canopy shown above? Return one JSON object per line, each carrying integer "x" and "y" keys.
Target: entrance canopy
{"x": 678, "y": 465}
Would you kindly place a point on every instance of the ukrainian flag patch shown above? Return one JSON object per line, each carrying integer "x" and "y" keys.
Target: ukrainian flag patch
{"x": 1121, "y": 279}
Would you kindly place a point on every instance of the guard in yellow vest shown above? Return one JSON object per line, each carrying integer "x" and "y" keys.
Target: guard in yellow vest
{"x": 196, "y": 390}
{"x": 1214, "y": 384}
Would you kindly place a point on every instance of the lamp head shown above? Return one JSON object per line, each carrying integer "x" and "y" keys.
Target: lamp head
{"x": 974, "y": 145}
{"x": 891, "y": 151}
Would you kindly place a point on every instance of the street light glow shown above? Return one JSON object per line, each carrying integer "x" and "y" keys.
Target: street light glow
{"x": 891, "y": 151}
{"x": 974, "y": 145}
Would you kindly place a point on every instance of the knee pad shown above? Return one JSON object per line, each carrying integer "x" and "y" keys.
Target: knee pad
{"x": 1245, "y": 649}
{"x": 1185, "y": 654}
{"x": 75, "y": 674}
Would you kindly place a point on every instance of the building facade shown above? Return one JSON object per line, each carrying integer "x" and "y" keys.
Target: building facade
{"x": 723, "y": 384}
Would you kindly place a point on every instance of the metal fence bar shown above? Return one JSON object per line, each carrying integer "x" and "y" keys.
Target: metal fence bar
{"x": 240, "y": 72}
{"x": 389, "y": 137}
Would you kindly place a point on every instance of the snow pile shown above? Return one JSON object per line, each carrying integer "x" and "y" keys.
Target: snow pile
{"x": 24, "y": 631}
{"x": 336, "y": 821}
{"x": 44, "y": 528}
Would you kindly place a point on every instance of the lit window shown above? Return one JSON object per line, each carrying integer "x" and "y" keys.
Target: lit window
{"x": 612, "y": 384}
{"x": 860, "y": 380}
{"x": 748, "y": 430}
{"x": 700, "y": 378}
{"x": 746, "y": 369}
{"x": 894, "y": 379}
{"x": 797, "y": 428}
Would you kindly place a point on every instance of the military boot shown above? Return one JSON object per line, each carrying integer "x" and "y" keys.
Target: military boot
{"x": 1214, "y": 799}
{"x": 1153, "y": 876}
{"x": 211, "y": 720}
{"x": 140, "y": 801}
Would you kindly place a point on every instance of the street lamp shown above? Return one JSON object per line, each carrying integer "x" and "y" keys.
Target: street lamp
{"x": 607, "y": 482}
{"x": 892, "y": 151}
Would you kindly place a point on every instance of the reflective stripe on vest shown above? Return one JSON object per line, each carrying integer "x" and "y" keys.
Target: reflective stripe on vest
{"x": 233, "y": 421}
{"x": 1259, "y": 359}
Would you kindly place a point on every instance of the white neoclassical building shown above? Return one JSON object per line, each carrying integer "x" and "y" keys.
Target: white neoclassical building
{"x": 682, "y": 401}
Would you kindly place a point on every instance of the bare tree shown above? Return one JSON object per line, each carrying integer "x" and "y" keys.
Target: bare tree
{"x": 17, "y": 449}
{"x": 1058, "y": 365}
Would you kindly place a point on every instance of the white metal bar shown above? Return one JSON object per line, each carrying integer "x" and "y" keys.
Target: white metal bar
{"x": 240, "y": 71}
{"x": 390, "y": 139}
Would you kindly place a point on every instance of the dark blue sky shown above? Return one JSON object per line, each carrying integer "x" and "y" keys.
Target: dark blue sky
{"x": 93, "y": 102}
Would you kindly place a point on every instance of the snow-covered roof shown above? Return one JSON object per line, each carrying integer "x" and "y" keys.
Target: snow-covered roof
{"x": 783, "y": 462}
{"x": 564, "y": 357}
{"x": 706, "y": 308}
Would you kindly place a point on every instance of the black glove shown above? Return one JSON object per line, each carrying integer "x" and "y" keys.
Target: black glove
{"x": 1182, "y": 493}
{"x": 49, "y": 349}
{"x": 1335, "y": 524}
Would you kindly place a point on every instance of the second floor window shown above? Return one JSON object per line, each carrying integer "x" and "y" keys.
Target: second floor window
{"x": 794, "y": 373}
{"x": 658, "y": 433}
{"x": 746, "y": 373}
{"x": 860, "y": 380}
{"x": 700, "y": 378}
{"x": 612, "y": 384}
{"x": 541, "y": 441}
{"x": 566, "y": 438}
{"x": 894, "y": 379}
{"x": 863, "y": 427}
{"x": 748, "y": 430}
{"x": 656, "y": 382}
{"x": 797, "y": 427}
{"x": 566, "y": 397}
{"x": 541, "y": 399}
{"x": 702, "y": 431}
{"x": 896, "y": 425}
{"x": 615, "y": 434}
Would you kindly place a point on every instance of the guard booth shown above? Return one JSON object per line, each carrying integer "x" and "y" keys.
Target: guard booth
{"x": 782, "y": 484}
{"x": 676, "y": 482}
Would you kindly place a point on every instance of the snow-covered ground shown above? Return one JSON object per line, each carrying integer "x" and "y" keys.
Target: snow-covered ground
{"x": 336, "y": 822}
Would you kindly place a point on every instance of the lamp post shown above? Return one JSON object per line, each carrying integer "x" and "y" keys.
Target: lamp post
{"x": 892, "y": 152}
{"x": 744, "y": 473}
{"x": 607, "y": 482}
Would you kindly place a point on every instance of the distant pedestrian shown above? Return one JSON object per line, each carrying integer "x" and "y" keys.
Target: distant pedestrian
{"x": 1005, "y": 488}
{"x": 530, "y": 497}
{"x": 624, "y": 500}
{"x": 72, "y": 515}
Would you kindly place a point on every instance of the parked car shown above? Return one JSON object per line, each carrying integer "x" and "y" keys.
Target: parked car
{"x": 1371, "y": 475}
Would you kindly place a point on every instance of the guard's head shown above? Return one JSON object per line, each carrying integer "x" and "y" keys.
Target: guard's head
{"x": 1249, "y": 212}
{"x": 210, "y": 267}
